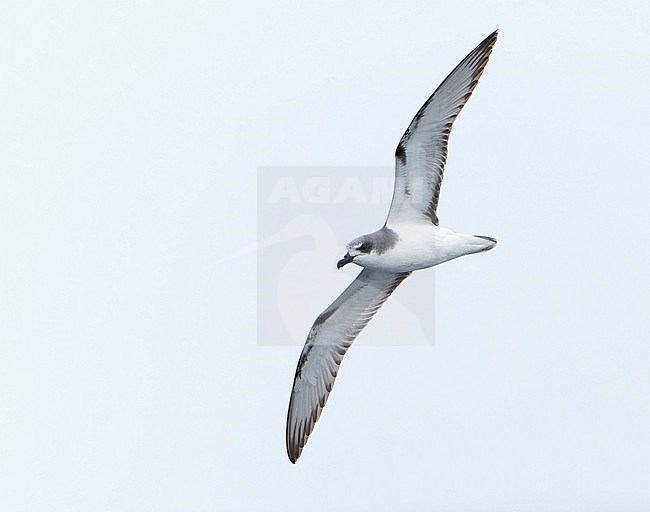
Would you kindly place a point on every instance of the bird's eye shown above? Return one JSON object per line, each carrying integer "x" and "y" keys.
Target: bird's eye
{"x": 364, "y": 247}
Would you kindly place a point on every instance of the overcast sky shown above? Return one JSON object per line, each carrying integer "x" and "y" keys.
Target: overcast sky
{"x": 132, "y": 374}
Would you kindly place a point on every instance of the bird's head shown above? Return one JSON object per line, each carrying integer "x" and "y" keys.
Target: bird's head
{"x": 356, "y": 251}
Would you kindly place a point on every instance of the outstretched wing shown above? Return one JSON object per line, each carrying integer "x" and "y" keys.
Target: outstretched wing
{"x": 422, "y": 152}
{"x": 329, "y": 338}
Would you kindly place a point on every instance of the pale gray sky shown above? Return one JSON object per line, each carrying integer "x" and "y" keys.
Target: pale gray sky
{"x": 131, "y": 374}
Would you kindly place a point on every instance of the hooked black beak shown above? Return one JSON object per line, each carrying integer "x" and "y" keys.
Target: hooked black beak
{"x": 346, "y": 259}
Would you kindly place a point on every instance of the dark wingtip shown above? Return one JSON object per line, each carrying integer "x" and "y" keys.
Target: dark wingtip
{"x": 489, "y": 40}
{"x": 293, "y": 454}
{"x": 293, "y": 449}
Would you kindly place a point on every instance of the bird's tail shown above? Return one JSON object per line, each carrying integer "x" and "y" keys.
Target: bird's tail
{"x": 487, "y": 242}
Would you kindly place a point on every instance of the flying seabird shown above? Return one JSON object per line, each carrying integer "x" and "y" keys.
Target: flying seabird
{"x": 410, "y": 240}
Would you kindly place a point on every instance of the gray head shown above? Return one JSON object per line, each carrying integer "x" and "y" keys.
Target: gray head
{"x": 373, "y": 244}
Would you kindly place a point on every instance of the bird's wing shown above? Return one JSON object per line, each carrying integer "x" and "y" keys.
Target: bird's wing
{"x": 422, "y": 152}
{"x": 329, "y": 338}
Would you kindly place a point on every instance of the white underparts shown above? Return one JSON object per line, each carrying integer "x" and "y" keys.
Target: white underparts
{"x": 423, "y": 245}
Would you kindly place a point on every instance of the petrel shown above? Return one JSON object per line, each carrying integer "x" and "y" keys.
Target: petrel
{"x": 409, "y": 240}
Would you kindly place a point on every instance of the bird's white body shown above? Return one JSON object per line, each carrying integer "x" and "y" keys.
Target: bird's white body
{"x": 423, "y": 245}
